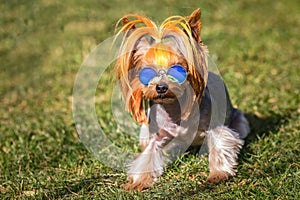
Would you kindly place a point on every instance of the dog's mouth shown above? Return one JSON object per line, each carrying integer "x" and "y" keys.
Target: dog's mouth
{"x": 164, "y": 98}
{"x": 170, "y": 95}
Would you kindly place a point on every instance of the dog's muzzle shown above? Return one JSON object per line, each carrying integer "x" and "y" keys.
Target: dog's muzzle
{"x": 161, "y": 88}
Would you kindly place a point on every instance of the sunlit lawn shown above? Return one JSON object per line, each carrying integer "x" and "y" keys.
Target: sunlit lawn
{"x": 42, "y": 45}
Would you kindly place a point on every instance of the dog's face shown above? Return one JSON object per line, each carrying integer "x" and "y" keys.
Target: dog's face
{"x": 160, "y": 72}
{"x": 161, "y": 64}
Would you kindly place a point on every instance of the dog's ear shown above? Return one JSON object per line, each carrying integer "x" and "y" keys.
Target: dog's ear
{"x": 195, "y": 24}
{"x": 128, "y": 27}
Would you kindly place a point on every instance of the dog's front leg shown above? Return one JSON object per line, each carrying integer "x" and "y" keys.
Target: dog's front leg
{"x": 148, "y": 166}
{"x": 224, "y": 146}
{"x": 144, "y": 136}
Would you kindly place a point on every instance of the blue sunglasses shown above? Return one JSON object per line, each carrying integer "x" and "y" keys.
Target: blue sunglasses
{"x": 175, "y": 73}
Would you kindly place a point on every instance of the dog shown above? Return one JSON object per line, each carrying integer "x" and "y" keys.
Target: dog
{"x": 168, "y": 90}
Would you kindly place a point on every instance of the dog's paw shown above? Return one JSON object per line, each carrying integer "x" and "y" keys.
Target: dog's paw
{"x": 217, "y": 177}
{"x": 139, "y": 182}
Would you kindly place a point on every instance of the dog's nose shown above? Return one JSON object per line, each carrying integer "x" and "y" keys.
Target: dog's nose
{"x": 161, "y": 88}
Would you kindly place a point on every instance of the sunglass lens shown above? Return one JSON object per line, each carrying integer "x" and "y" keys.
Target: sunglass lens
{"x": 146, "y": 75}
{"x": 177, "y": 73}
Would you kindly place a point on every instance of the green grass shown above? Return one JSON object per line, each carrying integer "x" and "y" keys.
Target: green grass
{"x": 43, "y": 43}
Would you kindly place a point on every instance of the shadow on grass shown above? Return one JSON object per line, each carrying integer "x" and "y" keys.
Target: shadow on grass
{"x": 263, "y": 126}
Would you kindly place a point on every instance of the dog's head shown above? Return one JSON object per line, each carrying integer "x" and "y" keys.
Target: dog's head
{"x": 162, "y": 64}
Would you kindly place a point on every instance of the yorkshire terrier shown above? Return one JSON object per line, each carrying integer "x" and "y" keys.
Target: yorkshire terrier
{"x": 164, "y": 78}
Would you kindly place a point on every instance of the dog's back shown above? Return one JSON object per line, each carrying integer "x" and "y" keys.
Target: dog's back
{"x": 216, "y": 108}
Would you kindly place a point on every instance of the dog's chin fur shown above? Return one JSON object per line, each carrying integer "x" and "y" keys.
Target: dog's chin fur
{"x": 174, "y": 122}
{"x": 163, "y": 100}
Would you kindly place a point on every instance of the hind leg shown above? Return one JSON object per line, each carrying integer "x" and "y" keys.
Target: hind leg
{"x": 224, "y": 146}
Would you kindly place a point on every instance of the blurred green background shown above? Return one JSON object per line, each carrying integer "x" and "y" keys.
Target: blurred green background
{"x": 254, "y": 43}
